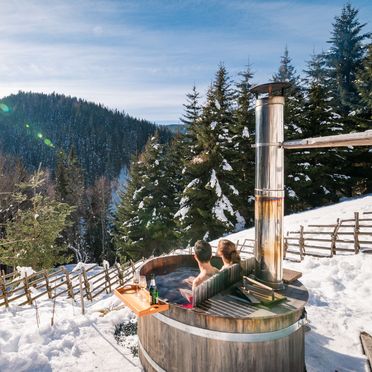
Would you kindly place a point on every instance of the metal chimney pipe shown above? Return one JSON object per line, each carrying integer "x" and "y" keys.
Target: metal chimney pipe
{"x": 269, "y": 189}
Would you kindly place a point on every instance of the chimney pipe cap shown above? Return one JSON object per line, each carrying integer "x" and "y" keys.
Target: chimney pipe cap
{"x": 271, "y": 88}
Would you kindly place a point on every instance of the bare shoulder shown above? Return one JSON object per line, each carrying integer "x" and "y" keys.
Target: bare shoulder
{"x": 197, "y": 281}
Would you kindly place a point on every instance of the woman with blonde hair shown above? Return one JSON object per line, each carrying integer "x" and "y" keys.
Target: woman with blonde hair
{"x": 226, "y": 249}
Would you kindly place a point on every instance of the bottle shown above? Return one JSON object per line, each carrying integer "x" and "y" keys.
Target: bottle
{"x": 154, "y": 293}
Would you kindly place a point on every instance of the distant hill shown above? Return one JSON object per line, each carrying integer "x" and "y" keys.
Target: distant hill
{"x": 35, "y": 127}
{"x": 176, "y": 128}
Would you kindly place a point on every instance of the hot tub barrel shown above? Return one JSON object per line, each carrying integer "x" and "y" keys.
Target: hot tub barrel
{"x": 262, "y": 339}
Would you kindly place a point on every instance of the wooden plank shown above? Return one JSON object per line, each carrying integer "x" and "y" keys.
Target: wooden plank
{"x": 366, "y": 340}
{"x": 289, "y": 276}
{"x": 128, "y": 294}
{"x": 340, "y": 140}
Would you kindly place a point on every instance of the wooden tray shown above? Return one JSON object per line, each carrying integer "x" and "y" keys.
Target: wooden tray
{"x": 141, "y": 307}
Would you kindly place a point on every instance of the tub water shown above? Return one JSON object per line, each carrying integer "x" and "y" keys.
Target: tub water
{"x": 169, "y": 284}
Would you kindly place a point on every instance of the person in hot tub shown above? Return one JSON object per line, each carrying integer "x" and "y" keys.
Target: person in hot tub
{"x": 203, "y": 255}
{"x": 226, "y": 249}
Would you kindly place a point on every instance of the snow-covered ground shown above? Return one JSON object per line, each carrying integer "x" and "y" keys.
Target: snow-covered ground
{"x": 339, "y": 308}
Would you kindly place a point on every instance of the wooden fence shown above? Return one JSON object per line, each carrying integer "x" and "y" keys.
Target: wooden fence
{"x": 88, "y": 283}
{"x": 346, "y": 236}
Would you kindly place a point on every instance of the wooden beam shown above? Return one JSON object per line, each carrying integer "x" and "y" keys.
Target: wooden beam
{"x": 366, "y": 340}
{"x": 341, "y": 140}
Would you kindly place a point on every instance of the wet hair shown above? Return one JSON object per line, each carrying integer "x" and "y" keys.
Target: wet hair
{"x": 203, "y": 251}
{"x": 227, "y": 249}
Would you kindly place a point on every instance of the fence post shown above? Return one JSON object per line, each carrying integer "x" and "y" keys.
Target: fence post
{"x": 120, "y": 273}
{"x": 285, "y": 247}
{"x": 356, "y": 233}
{"x": 81, "y": 295}
{"x": 70, "y": 290}
{"x": 87, "y": 285}
{"x": 3, "y": 289}
{"x": 301, "y": 243}
{"x": 45, "y": 273}
{"x": 107, "y": 279}
{"x": 334, "y": 237}
{"x": 27, "y": 290}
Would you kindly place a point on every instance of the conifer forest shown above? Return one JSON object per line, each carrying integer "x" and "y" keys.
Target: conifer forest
{"x": 63, "y": 160}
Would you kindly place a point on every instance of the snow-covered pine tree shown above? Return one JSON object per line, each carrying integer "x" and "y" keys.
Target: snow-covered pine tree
{"x": 345, "y": 59}
{"x": 98, "y": 220}
{"x": 144, "y": 222}
{"x": 322, "y": 166}
{"x": 295, "y": 175}
{"x": 206, "y": 210}
{"x": 70, "y": 189}
{"x": 192, "y": 110}
{"x": 32, "y": 234}
{"x": 364, "y": 81}
{"x": 243, "y": 138}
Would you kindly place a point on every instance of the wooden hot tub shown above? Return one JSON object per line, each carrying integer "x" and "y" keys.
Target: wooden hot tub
{"x": 223, "y": 333}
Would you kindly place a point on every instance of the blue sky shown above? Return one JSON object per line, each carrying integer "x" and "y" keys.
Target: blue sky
{"x": 144, "y": 56}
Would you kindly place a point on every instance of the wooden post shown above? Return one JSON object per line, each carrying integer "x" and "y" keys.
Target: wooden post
{"x": 107, "y": 279}
{"x": 45, "y": 273}
{"x": 87, "y": 285}
{"x": 301, "y": 243}
{"x": 356, "y": 233}
{"x": 120, "y": 273}
{"x": 70, "y": 290}
{"x": 285, "y": 246}
{"x": 3, "y": 289}
{"x": 334, "y": 237}
{"x": 27, "y": 290}
{"x": 81, "y": 295}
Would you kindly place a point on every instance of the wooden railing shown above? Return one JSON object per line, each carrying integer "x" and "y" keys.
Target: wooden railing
{"x": 54, "y": 283}
{"x": 345, "y": 236}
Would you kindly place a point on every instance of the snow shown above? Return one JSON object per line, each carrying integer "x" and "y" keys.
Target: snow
{"x": 182, "y": 213}
{"x": 291, "y": 193}
{"x": 141, "y": 205}
{"x": 245, "y": 133}
{"x": 226, "y": 166}
{"x": 214, "y": 184}
{"x": 213, "y": 125}
{"x": 24, "y": 271}
{"x": 137, "y": 192}
{"x": 234, "y": 190}
{"x": 191, "y": 184}
{"x": 339, "y": 306}
{"x": 75, "y": 342}
{"x": 222, "y": 204}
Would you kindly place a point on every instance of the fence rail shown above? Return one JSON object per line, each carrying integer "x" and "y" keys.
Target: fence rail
{"x": 351, "y": 235}
{"x": 55, "y": 283}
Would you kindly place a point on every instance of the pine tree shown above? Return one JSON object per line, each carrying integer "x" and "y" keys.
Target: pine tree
{"x": 32, "y": 235}
{"x": 345, "y": 57}
{"x": 293, "y": 129}
{"x": 70, "y": 189}
{"x": 320, "y": 166}
{"x": 98, "y": 225}
{"x": 207, "y": 207}
{"x": 144, "y": 220}
{"x": 244, "y": 137}
{"x": 364, "y": 81}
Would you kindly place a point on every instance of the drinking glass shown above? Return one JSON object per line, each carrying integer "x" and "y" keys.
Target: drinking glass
{"x": 136, "y": 279}
{"x": 143, "y": 284}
